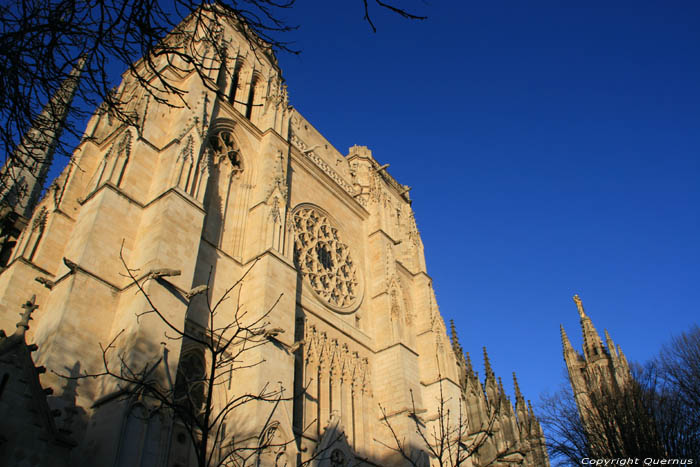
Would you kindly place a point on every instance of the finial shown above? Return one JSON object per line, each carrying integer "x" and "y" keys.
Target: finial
{"x": 23, "y": 323}
{"x": 487, "y": 365}
{"x": 579, "y": 305}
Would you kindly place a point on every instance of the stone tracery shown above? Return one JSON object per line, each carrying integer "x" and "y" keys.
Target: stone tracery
{"x": 224, "y": 147}
{"x": 324, "y": 260}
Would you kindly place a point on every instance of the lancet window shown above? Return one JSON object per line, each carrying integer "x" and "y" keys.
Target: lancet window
{"x": 251, "y": 97}
{"x": 234, "y": 83}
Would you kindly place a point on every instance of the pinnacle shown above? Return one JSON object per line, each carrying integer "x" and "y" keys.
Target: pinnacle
{"x": 518, "y": 394}
{"x": 455, "y": 339}
{"x": 470, "y": 369}
{"x": 23, "y": 323}
{"x": 487, "y": 365}
{"x": 609, "y": 342}
{"x": 565, "y": 339}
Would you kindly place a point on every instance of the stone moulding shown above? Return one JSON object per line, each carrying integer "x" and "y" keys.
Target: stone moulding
{"x": 327, "y": 169}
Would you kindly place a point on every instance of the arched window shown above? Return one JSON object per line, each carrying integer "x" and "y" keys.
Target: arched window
{"x": 190, "y": 383}
{"x": 251, "y": 97}
{"x": 141, "y": 439}
{"x": 234, "y": 83}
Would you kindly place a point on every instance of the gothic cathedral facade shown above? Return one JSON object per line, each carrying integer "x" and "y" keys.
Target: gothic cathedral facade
{"x": 191, "y": 197}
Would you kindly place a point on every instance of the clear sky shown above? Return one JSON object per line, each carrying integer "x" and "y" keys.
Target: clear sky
{"x": 552, "y": 148}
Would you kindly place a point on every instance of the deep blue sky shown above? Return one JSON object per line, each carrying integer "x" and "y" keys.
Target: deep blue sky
{"x": 552, "y": 149}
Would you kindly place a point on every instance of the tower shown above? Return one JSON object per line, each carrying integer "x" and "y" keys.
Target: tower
{"x": 237, "y": 187}
{"x": 599, "y": 366}
{"x": 23, "y": 176}
{"x": 606, "y": 395}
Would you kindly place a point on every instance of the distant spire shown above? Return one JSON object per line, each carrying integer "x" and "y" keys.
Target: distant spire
{"x": 592, "y": 345}
{"x": 23, "y": 176}
{"x": 23, "y": 323}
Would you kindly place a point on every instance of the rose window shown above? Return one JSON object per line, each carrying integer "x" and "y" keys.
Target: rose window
{"x": 324, "y": 260}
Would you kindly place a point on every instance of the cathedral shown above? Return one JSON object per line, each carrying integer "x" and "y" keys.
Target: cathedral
{"x": 328, "y": 349}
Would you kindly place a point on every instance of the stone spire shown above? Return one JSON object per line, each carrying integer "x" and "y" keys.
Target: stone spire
{"x": 487, "y": 366}
{"x": 565, "y": 342}
{"x": 520, "y": 407}
{"x": 469, "y": 367}
{"x": 23, "y": 176}
{"x": 463, "y": 368}
{"x": 518, "y": 395}
{"x": 610, "y": 344}
{"x": 592, "y": 345}
{"x": 455, "y": 339}
{"x": 490, "y": 384}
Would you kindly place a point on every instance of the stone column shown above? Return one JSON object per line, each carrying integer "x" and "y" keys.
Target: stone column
{"x": 323, "y": 396}
{"x": 346, "y": 406}
{"x": 311, "y": 399}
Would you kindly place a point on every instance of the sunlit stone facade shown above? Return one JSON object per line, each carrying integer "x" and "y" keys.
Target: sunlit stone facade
{"x": 237, "y": 180}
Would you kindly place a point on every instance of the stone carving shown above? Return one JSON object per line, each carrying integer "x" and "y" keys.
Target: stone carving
{"x": 337, "y": 458}
{"x": 351, "y": 366}
{"x": 40, "y": 219}
{"x": 324, "y": 260}
{"x": 224, "y": 147}
{"x": 327, "y": 169}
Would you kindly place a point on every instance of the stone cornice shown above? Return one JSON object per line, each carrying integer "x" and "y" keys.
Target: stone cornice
{"x": 397, "y": 344}
{"x": 319, "y": 174}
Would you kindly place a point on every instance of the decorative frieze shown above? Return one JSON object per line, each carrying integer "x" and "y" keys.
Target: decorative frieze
{"x": 326, "y": 168}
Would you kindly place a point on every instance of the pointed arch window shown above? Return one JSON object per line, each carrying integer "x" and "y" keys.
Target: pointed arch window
{"x": 251, "y": 97}
{"x": 234, "y": 83}
{"x": 141, "y": 439}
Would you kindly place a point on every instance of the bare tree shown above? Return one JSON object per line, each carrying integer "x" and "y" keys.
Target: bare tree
{"x": 614, "y": 423}
{"x": 202, "y": 399}
{"x": 677, "y": 405}
{"x": 650, "y": 417}
{"x": 567, "y": 441}
{"x": 680, "y": 364}
{"x": 450, "y": 440}
{"x": 42, "y": 42}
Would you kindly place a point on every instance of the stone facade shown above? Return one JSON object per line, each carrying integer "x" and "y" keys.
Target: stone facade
{"x": 237, "y": 182}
